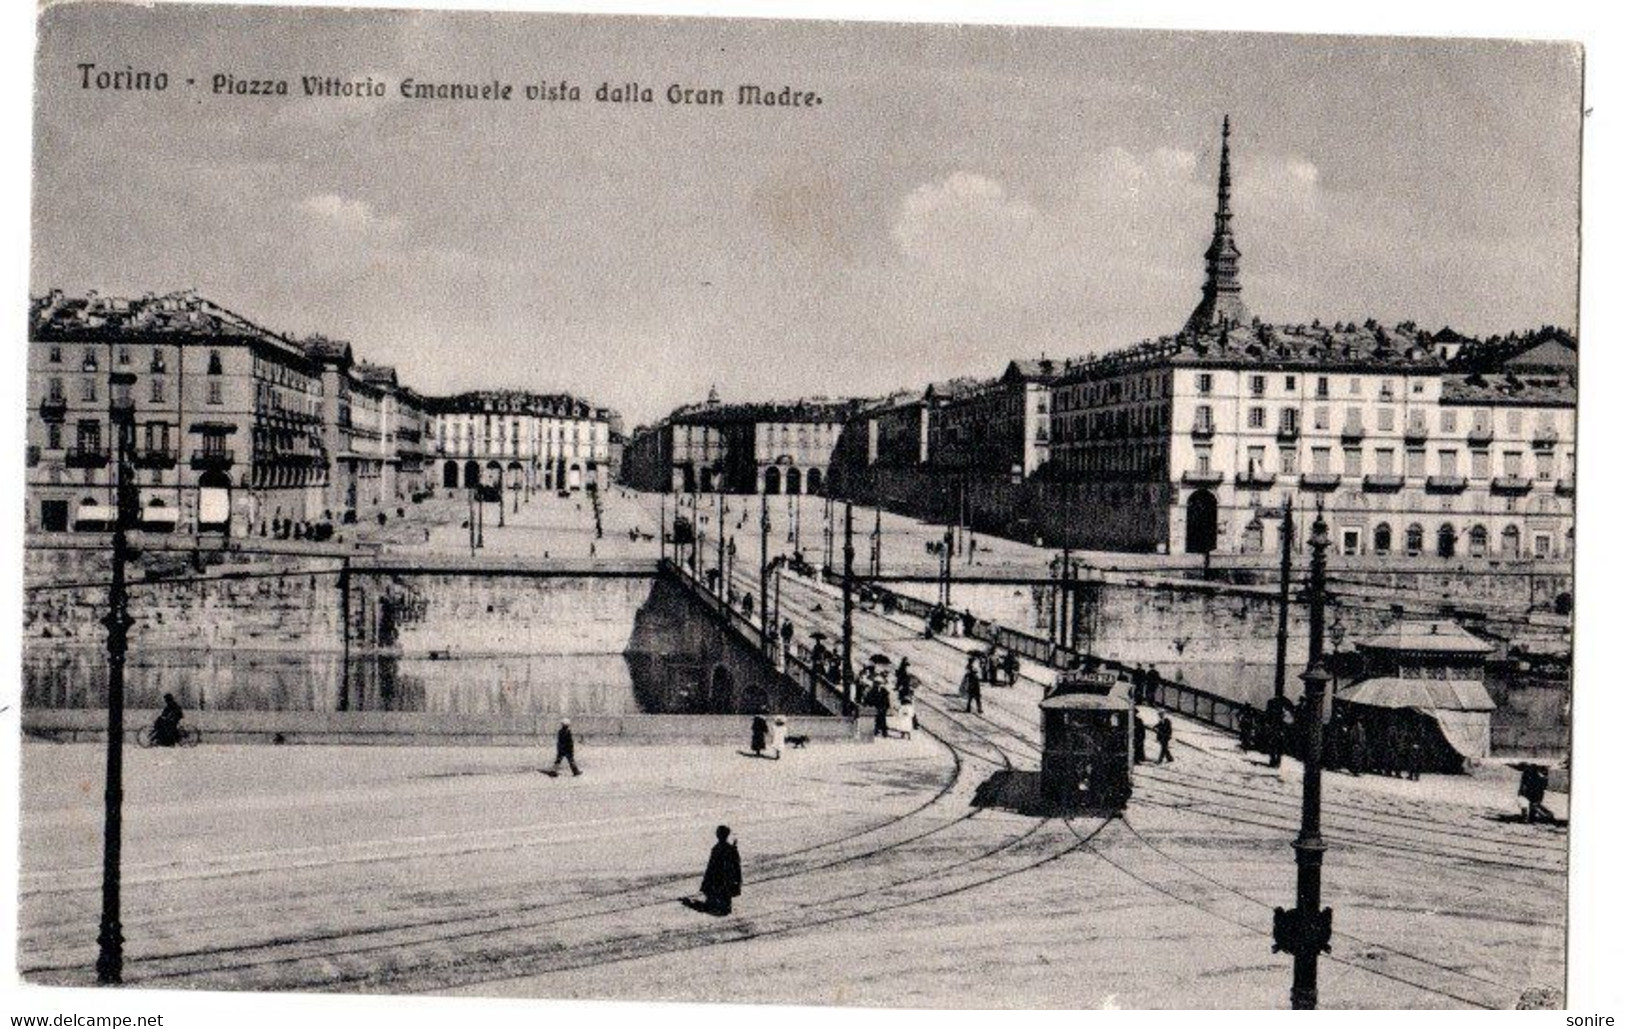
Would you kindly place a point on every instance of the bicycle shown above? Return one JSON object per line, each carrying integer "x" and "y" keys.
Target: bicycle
{"x": 186, "y": 737}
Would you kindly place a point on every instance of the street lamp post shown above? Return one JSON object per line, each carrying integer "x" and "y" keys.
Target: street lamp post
{"x": 1281, "y": 627}
{"x": 110, "y": 938}
{"x": 762, "y": 584}
{"x": 846, "y": 613}
{"x": 874, "y": 549}
{"x": 1306, "y": 930}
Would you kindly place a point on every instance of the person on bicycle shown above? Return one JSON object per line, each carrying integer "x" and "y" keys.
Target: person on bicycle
{"x": 166, "y": 728}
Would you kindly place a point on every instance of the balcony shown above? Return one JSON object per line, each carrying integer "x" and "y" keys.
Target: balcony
{"x": 1255, "y": 480}
{"x": 1287, "y": 433}
{"x": 53, "y": 409}
{"x": 1208, "y": 478}
{"x": 1319, "y": 481}
{"x": 1565, "y": 487}
{"x": 1511, "y": 485}
{"x": 1388, "y": 483}
{"x": 1544, "y": 439}
{"x": 87, "y": 457}
{"x": 1480, "y": 436}
{"x": 1415, "y": 433}
{"x": 1353, "y": 433}
{"x": 211, "y": 460}
{"x": 155, "y": 457}
{"x": 1202, "y": 430}
{"x": 1446, "y": 483}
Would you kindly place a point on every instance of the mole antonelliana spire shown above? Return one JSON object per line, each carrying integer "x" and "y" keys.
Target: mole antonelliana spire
{"x": 1221, "y": 304}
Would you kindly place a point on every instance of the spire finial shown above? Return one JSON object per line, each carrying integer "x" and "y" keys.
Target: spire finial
{"x": 1221, "y": 294}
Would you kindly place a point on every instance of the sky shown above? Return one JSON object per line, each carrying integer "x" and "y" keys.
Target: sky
{"x": 962, "y": 196}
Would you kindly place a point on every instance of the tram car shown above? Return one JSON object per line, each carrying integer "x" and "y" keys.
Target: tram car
{"x": 1088, "y": 743}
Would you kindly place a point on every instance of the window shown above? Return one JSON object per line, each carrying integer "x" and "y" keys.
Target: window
{"x": 87, "y": 389}
{"x": 1382, "y": 538}
{"x": 159, "y": 365}
{"x": 1255, "y": 460}
{"x": 1385, "y": 419}
{"x": 1352, "y": 420}
{"x": 1513, "y": 460}
{"x": 1323, "y": 387}
{"x": 1204, "y": 460}
{"x": 1322, "y": 460}
{"x": 214, "y": 362}
{"x": 1354, "y": 386}
{"x": 1515, "y": 422}
{"x": 1385, "y": 461}
{"x": 214, "y": 391}
{"x": 56, "y": 355}
{"x": 1481, "y": 464}
{"x": 1351, "y": 541}
{"x": 1204, "y": 383}
{"x": 1257, "y": 383}
{"x": 1204, "y": 417}
{"x": 1323, "y": 418}
{"x": 1386, "y": 390}
{"x": 1417, "y": 387}
{"x": 1413, "y": 540}
{"x": 1447, "y": 540}
{"x": 1289, "y": 420}
{"x": 90, "y": 364}
{"x": 1416, "y": 463}
{"x": 123, "y": 355}
{"x": 1543, "y": 545}
{"x": 1291, "y": 383}
{"x": 157, "y": 391}
{"x": 1544, "y": 466}
{"x": 53, "y": 435}
{"x": 54, "y": 389}
{"x": 1289, "y": 461}
{"x": 1447, "y": 463}
{"x": 1447, "y": 422}
{"x": 1478, "y": 541}
{"x": 1351, "y": 461}
{"x": 90, "y": 436}
{"x": 1255, "y": 418}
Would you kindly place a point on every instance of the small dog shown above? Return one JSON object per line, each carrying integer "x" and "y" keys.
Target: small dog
{"x": 798, "y": 742}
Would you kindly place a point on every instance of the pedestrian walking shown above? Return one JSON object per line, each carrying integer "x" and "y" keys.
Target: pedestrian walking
{"x": 723, "y": 875}
{"x": 1139, "y": 738}
{"x": 1357, "y": 755}
{"x": 1532, "y": 784}
{"x": 776, "y": 740}
{"x": 880, "y": 700}
{"x": 972, "y": 684}
{"x": 565, "y": 749}
{"x": 1165, "y": 737}
{"x": 758, "y": 735}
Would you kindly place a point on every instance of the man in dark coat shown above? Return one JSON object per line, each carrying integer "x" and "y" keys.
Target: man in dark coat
{"x": 973, "y": 686}
{"x": 566, "y": 749}
{"x": 1165, "y": 738}
{"x": 1532, "y": 785}
{"x": 758, "y": 735}
{"x": 722, "y": 875}
{"x": 1139, "y": 738}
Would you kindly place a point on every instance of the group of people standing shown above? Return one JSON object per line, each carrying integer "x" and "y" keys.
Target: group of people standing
{"x": 1385, "y": 748}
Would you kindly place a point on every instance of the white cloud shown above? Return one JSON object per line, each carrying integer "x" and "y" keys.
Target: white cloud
{"x": 962, "y": 221}
{"x": 357, "y": 214}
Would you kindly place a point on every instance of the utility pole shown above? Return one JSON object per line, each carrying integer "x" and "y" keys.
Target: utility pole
{"x": 829, "y": 534}
{"x": 110, "y": 939}
{"x": 1067, "y": 599}
{"x": 473, "y": 543}
{"x": 846, "y": 613}
{"x": 662, "y": 528}
{"x": 948, "y": 569}
{"x": 1281, "y": 629}
{"x": 761, "y": 585}
{"x": 1306, "y": 930}
{"x": 722, "y": 556}
{"x": 874, "y": 546}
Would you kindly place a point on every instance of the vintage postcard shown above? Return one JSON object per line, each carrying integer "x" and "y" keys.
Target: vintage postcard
{"x": 681, "y": 509}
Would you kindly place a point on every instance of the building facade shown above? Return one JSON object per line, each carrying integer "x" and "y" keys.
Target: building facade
{"x": 1411, "y": 442}
{"x": 226, "y": 414}
{"x": 1001, "y": 427}
{"x": 520, "y": 441}
{"x": 769, "y": 448}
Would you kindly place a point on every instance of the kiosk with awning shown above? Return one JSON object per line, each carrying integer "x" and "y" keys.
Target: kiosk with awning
{"x": 1423, "y": 681}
